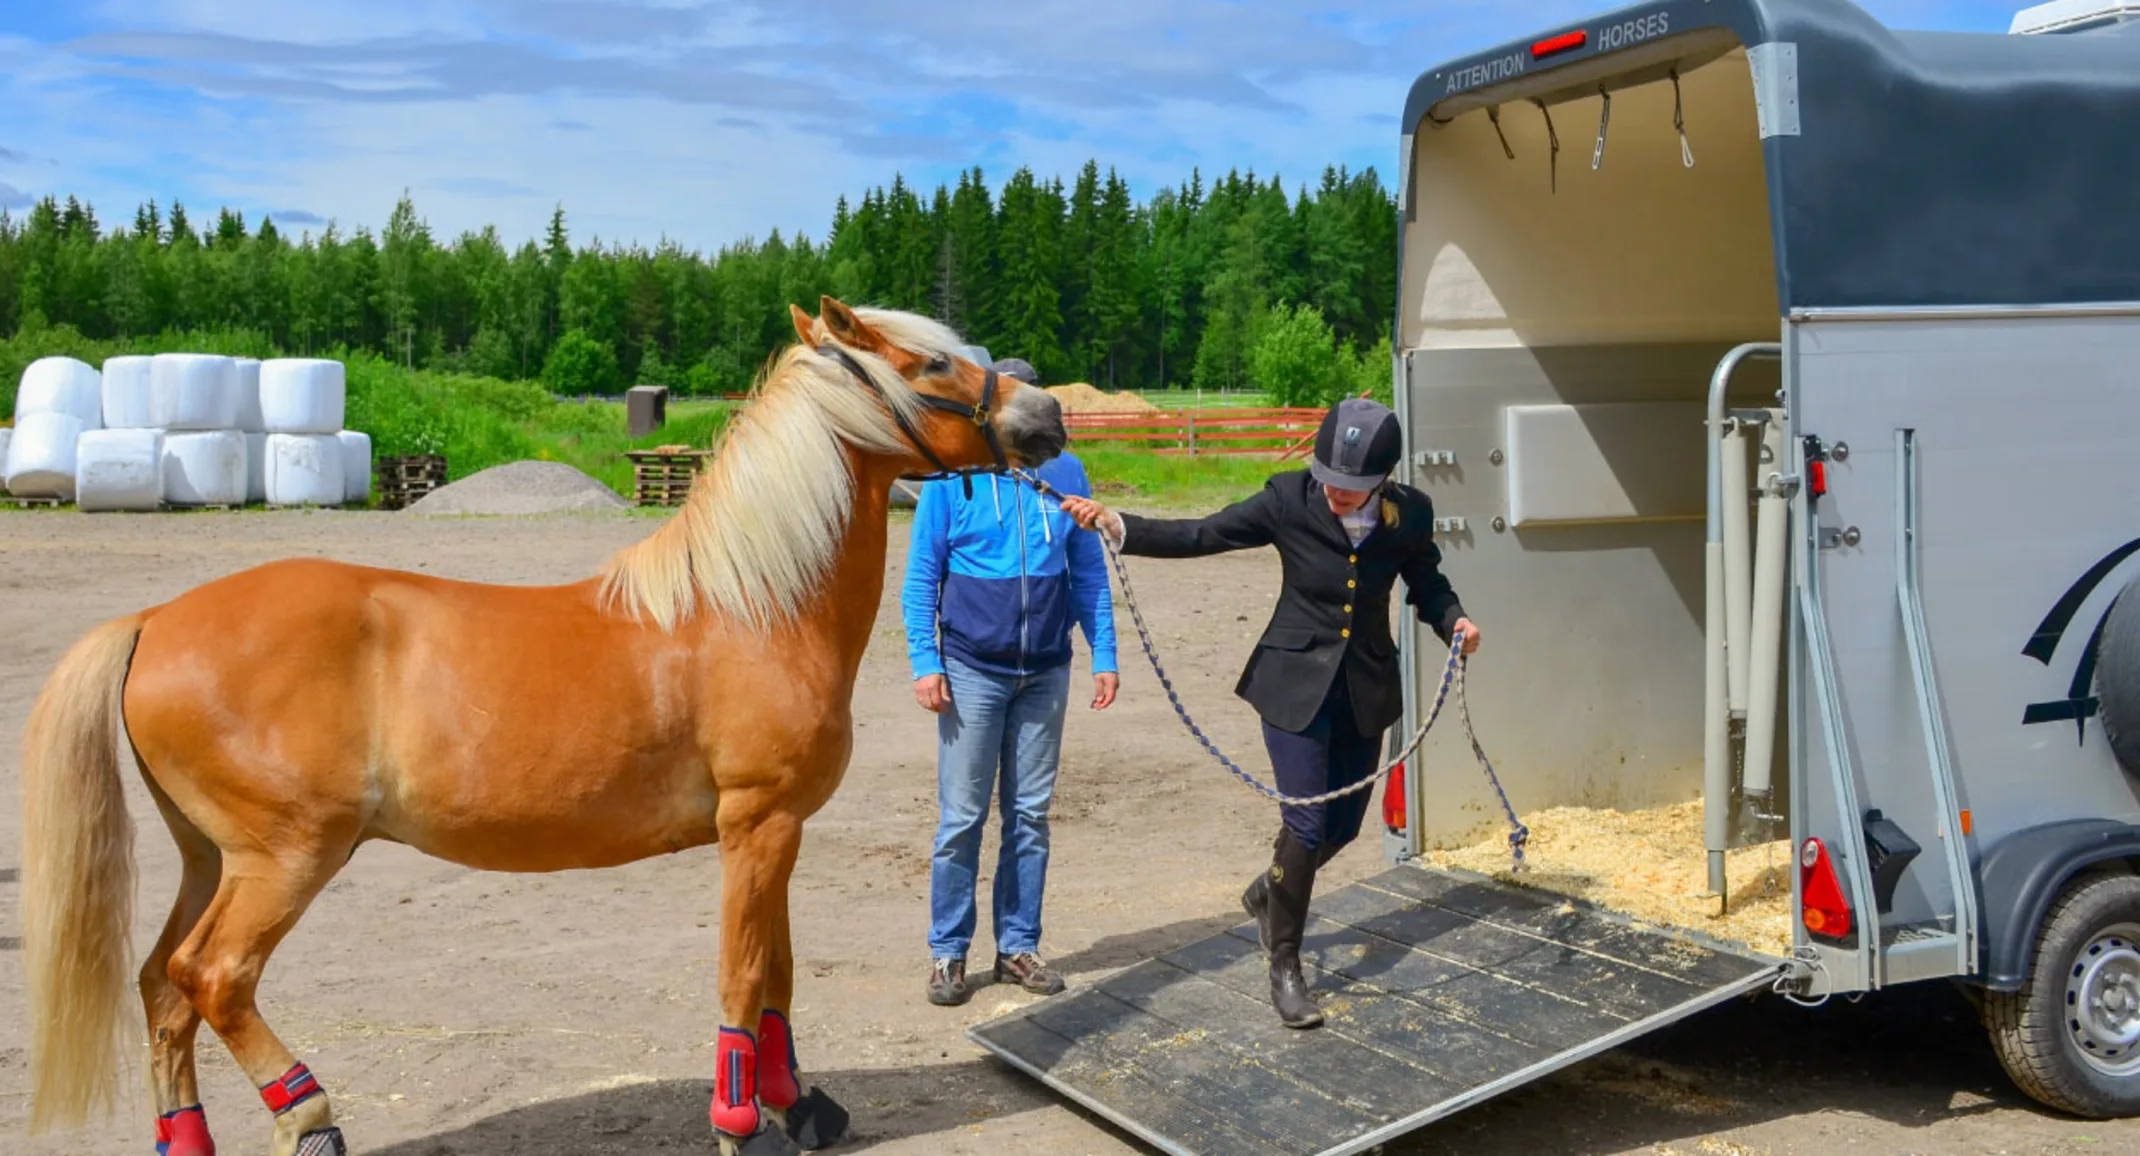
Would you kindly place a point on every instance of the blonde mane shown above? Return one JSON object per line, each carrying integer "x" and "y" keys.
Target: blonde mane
{"x": 764, "y": 523}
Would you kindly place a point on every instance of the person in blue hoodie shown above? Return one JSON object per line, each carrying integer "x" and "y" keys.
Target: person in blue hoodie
{"x": 994, "y": 580}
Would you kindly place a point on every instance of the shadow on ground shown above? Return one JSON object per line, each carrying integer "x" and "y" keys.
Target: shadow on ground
{"x": 670, "y": 1115}
{"x": 1912, "y": 1058}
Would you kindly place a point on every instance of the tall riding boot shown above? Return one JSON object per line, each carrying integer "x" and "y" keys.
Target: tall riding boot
{"x": 1256, "y": 900}
{"x": 1292, "y": 880}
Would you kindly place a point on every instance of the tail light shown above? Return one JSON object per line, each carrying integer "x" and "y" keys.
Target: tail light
{"x": 1821, "y": 905}
{"x": 1393, "y": 800}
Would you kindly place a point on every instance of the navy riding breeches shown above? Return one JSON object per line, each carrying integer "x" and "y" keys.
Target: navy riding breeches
{"x": 1331, "y": 753}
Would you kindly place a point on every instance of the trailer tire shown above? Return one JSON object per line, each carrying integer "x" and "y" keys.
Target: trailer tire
{"x": 2117, "y": 678}
{"x": 2089, "y": 945}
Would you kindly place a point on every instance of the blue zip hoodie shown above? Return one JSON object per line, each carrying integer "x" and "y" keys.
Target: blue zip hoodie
{"x": 1002, "y": 574}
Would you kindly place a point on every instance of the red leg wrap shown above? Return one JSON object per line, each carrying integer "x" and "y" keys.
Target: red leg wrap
{"x": 777, "y": 1084}
{"x": 735, "y": 1084}
{"x": 184, "y": 1133}
{"x": 295, "y": 1087}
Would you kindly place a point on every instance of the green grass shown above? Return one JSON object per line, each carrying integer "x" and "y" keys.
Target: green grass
{"x": 1139, "y": 479}
{"x": 480, "y": 422}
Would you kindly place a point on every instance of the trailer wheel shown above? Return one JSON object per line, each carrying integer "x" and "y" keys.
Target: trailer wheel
{"x": 2117, "y": 678}
{"x": 2070, "y": 1038}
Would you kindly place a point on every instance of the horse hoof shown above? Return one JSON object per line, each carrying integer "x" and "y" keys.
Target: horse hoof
{"x": 766, "y": 1141}
{"x": 325, "y": 1142}
{"x": 816, "y": 1121}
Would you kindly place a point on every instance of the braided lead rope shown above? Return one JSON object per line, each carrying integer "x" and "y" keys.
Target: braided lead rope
{"x": 1452, "y": 674}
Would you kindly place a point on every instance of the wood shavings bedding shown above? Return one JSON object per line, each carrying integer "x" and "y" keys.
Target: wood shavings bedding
{"x": 1648, "y": 865}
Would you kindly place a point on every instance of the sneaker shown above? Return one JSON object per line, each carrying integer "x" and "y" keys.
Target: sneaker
{"x": 947, "y": 982}
{"x": 1028, "y": 971}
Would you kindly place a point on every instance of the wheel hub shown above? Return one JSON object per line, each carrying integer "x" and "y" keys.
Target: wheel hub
{"x": 2103, "y": 1002}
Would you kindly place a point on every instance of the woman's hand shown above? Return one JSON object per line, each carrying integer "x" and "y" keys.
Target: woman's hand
{"x": 1093, "y": 516}
{"x": 1470, "y": 633}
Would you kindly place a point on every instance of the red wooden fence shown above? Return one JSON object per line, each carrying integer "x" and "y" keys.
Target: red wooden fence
{"x": 1284, "y": 431}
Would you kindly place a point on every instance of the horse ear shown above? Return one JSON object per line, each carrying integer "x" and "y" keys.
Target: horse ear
{"x": 846, "y": 327}
{"x": 802, "y": 324}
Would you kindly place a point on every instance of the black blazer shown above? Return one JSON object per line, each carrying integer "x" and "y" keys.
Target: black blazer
{"x": 1333, "y": 612}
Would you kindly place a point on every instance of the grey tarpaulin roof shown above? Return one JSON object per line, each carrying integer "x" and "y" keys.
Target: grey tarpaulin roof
{"x": 1929, "y": 168}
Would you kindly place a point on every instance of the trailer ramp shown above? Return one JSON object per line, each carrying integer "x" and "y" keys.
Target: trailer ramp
{"x": 1439, "y": 990}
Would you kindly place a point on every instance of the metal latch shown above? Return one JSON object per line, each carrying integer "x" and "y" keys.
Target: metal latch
{"x": 1434, "y": 458}
{"x": 1450, "y": 525}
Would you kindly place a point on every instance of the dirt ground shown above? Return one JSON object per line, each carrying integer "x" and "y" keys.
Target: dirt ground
{"x": 456, "y": 1013}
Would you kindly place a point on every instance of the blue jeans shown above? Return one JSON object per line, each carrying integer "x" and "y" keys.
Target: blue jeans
{"x": 997, "y": 728}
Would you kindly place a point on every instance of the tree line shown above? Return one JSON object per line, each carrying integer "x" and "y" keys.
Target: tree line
{"x": 1240, "y": 284}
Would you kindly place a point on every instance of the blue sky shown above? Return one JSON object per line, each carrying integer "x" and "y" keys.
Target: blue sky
{"x": 708, "y": 121}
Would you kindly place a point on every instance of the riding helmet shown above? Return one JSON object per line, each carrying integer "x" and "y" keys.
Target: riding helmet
{"x": 1358, "y": 445}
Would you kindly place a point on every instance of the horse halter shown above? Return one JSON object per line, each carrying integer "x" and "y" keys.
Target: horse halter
{"x": 977, "y": 414}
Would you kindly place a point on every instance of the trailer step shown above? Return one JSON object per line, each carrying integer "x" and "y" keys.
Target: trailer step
{"x": 1440, "y": 989}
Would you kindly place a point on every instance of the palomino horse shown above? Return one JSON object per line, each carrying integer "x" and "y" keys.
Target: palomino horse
{"x": 285, "y": 714}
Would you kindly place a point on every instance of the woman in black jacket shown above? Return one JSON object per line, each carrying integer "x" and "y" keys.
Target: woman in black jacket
{"x": 1324, "y": 676}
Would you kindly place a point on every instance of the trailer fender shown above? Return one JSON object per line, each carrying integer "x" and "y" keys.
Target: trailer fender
{"x": 2117, "y": 677}
{"x": 2023, "y": 873}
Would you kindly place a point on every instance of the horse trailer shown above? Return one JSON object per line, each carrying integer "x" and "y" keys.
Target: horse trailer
{"x": 1775, "y": 377}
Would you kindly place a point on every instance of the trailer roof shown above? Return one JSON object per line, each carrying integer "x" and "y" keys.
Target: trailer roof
{"x": 1904, "y": 168}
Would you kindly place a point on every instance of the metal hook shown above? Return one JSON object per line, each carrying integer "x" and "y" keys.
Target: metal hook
{"x": 1494, "y": 114}
{"x": 1552, "y": 138}
{"x": 1679, "y": 121}
{"x": 1597, "y": 156}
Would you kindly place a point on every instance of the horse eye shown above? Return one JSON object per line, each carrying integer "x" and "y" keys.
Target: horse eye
{"x": 941, "y": 365}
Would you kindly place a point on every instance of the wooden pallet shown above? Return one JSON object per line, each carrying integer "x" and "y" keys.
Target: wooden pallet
{"x": 400, "y": 481}
{"x": 34, "y": 503}
{"x": 664, "y": 477}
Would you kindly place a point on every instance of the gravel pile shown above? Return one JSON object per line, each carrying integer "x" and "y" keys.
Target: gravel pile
{"x": 521, "y": 488}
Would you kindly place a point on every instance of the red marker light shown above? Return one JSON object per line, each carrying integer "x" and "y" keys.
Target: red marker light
{"x": 1560, "y": 43}
{"x": 1393, "y": 800}
{"x": 1817, "y": 478}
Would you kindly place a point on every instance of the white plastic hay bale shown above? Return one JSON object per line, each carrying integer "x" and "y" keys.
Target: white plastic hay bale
{"x": 204, "y": 469}
{"x": 126, "y": 393}
{"x": 250, "y": 419}
{"x": 302, "y": 395}
{"x": 356, "y": 465}
{"x": 40, "y": 457}
{"x": 303, "y": 469}
{"x": 255, "y": 468}
{"x": 119, "y": 469}
{"x": 193, "y": 391}
{"x": 6, "y": 436}
{"x": 62, "y": 385}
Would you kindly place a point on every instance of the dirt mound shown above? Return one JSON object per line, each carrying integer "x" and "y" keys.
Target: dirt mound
{"x": 1079, "y": 397}
{"x": 521, "y": 488}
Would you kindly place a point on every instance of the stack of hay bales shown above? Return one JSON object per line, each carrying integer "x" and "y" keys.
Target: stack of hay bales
{"x": 60, "y": 399}
{"x": 302, "y": 401}
{"x": 185, "y": 429}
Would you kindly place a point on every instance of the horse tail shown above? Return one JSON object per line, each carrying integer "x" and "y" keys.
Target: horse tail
{"x": 77, "y": 878}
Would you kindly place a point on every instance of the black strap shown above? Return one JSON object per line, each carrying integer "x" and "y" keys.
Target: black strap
{"x": 978, "y": 414}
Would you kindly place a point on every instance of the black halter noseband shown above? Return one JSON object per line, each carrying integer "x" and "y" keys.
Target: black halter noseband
{"x": 977, "y": 414}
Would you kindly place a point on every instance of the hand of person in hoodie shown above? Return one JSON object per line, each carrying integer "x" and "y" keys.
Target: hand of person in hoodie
{"x": 933, "y": 692}
{"x": 1104, "y": 685}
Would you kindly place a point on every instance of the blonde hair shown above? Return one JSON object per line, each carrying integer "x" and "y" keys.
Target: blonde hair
{"x": 763, "y": 524}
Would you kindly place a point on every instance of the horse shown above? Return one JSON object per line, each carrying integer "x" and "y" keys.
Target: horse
{"x": 283, "y": 715}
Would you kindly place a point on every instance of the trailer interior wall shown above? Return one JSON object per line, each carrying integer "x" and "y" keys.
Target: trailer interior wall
{"x": 1572, "y": 332}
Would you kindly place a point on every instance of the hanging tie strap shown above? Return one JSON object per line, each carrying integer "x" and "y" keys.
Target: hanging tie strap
{"x": 1494, "y": 114}
{"x": 1552, "y": 139}
{"x": 1679, "y": 122}
{"x": 1597, "y": 155}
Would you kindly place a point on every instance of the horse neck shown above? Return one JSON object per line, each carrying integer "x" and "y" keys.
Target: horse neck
{"x": 845, "y": 608}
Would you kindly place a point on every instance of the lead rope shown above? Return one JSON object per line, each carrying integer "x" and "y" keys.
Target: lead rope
{"x": 1452, "y": 675}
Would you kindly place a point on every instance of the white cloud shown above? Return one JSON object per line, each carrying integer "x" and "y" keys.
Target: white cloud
{"x": 708, "y": 121}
